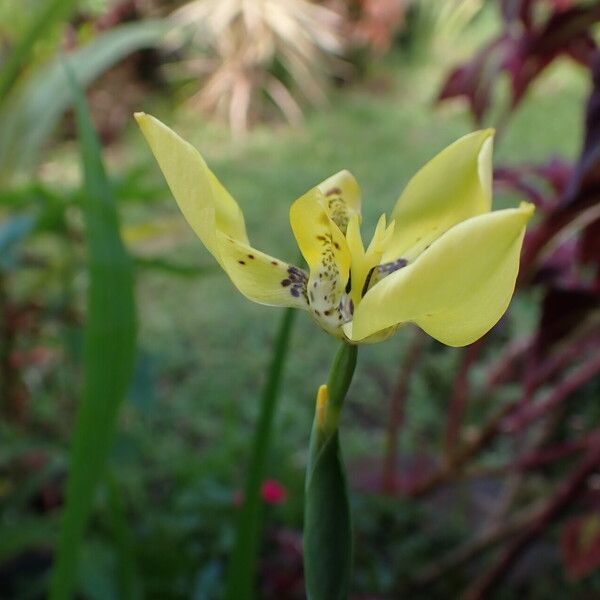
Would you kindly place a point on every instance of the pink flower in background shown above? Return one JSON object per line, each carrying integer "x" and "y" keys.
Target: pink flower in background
{"x": 271, "y": 491}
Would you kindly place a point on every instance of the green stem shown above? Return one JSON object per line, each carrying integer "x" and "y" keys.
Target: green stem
{"x": 327, "y": 525}
{"x": 241, "y": 572}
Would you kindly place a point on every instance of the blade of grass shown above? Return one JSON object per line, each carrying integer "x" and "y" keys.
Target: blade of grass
{"x": 242, "y": 566}
{"x": 109, "y": 348}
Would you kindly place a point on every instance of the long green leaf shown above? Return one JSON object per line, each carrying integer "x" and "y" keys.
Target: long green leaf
{"x": 31, "y": 113}
{"x": 109, "y": 350}
{"x": 242, "y": 567}
{"x": 46, "y": 17}
{"x": 327, "y": 524}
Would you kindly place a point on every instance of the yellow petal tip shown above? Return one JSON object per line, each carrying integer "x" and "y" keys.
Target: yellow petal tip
{"x": 139, "y": 116}
{"x": 527, "y": 208}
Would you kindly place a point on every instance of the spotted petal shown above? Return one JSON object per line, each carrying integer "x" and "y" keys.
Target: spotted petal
{"x": 341, "y": 198}
{"x": 325, "y": 249}
{"x": 458, "y": 288}
{"x": 262, "y": 278}
{"x": 455, "y": 185}
{"x": 218, "y": 221}
{"x": 204, "y": 202}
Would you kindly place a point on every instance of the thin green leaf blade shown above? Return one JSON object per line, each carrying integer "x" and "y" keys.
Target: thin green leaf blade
{"x": 109, "y": 351}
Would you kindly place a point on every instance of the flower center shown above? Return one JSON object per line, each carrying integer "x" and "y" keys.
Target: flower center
{"x": 330, "y": 308}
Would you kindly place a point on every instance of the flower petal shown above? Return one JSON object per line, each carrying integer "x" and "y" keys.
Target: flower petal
{"x": 262, "y": 278}
{"x": 204, "y": 202}
{"x": 455, "y": 185}
{"x": 325, "y": 249}
{"x": 341, "y": 198}
{"x": 457, "y": 289}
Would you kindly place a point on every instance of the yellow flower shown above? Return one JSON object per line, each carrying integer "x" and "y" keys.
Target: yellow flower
{"x": 444, "y": 262}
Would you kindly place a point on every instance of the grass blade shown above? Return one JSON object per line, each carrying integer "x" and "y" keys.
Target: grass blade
{"x": 109, "y": 350}
{"x": 242, "y": 567}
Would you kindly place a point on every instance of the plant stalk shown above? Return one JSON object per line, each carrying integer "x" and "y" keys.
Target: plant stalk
{"x": 327, "y": 524}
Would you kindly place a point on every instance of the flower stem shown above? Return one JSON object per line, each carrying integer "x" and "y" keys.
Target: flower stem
{"x": 327, "y": 526}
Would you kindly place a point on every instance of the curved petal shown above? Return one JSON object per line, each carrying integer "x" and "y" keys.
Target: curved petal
{"x": 325, "y": 249}
{"x": 262, "y": 278}
{"x": 204, "y": 202}
{"x": 455, "y": 185}
{"x": 457, "y": 289}
{"x": 218, "y": 221}
{"x": 341, "y": 198}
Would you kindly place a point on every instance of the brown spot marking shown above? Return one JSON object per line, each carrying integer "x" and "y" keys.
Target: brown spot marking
{"x": 335, "y": 190}
{"x": 274, "y": 263}
{"x": 337, "y": 246}
{"x": 241, "y": 262}
{"x": 321, "y": 238}
{"x": 251, "y": 256}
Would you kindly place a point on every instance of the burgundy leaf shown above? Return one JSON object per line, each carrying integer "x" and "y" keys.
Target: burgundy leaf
{"x": 475, "y": 79}
{"x": 542, "y": 184}
{"x": 523, "y": 50}
{"x": 583, "y": 193}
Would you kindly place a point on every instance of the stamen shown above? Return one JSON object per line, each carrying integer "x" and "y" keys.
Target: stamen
{"x": 367, "y": 281}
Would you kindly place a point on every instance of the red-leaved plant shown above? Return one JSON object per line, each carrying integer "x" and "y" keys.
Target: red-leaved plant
{"x": 561, "y": 261}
